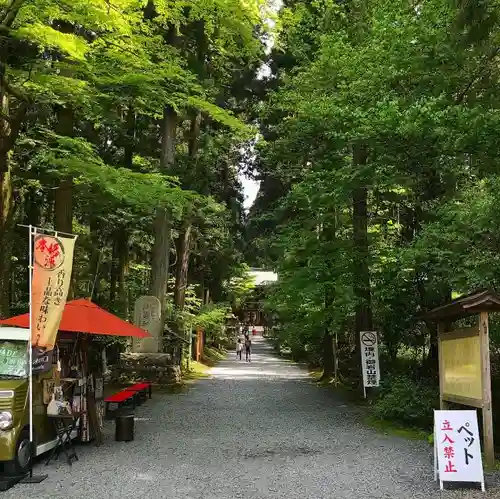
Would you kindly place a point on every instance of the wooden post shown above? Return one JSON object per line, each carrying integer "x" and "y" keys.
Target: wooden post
{"x": 199, "y": 348}
{"x": 489, "y": 449}
{"x": 440, "y": 331}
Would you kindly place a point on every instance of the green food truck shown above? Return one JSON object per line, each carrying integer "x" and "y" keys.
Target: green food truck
{"x": 15, "y": 449}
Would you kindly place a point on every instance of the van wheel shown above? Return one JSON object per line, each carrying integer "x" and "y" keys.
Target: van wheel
{"x": 22, "y": 462}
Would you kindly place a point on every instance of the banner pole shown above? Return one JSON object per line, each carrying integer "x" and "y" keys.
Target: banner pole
{"x": 49, "y": 231}
{"x": 30, "y": 478}
{"x": 30, "y": 349}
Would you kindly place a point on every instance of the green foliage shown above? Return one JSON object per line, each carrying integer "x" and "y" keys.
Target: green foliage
{"x": 211, "y": 355}
{"x": 86, "y": 85}
{"x": 396, "y": 108}
{"x": 211, "y": 319}
{"x": 402, "y": 400}
{"x": 240, "y": 286}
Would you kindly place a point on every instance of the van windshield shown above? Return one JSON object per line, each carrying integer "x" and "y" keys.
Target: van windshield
{"x": 13, "y": 359}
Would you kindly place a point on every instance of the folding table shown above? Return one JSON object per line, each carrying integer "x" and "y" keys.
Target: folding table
{"x": 64, "y": 425}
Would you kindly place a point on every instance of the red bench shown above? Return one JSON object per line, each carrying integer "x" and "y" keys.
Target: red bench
{"x": 142, "y": 389}
{"x": 121, "y": 398}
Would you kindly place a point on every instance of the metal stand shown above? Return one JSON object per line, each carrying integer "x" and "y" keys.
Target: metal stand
{"x": 64, "y": 426}
{"x": 30, "y": 478}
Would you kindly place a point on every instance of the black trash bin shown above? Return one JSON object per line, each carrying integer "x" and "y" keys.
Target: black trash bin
{"x": 124, "y": 428}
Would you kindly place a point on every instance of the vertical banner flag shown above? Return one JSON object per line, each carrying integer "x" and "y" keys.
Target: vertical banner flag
{"x": 369, "y": 358}
{"x": 52, "y": 266}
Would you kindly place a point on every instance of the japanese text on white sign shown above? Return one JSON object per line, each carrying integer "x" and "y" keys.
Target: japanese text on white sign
{"x": 369, "y": 359}
{"x": 457, "y": 447}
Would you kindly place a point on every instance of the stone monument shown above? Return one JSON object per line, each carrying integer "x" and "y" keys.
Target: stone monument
{"x": 147, "y": 315}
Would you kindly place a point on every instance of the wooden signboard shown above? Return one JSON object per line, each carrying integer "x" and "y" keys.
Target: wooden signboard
{"x": 460, "y": 355}
{"x": 464, "y": 358}
{"x": 464, "y": 373}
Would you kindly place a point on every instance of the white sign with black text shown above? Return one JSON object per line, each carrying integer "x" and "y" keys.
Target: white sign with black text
{"x": 457, "y": 447}
{"x": 369, "y": 359}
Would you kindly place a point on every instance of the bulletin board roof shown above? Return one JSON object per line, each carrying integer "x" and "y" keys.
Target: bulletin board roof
{"x": 474, "y": 303}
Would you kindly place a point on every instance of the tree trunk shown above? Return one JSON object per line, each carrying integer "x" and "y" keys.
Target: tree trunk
{"x": 361, "y": 266}
{"x": 130, "y": 139}
{"x": 63, "y": 201}
{"x": 169, "y": 130}
{"x": 10, "y": 127}
{"x": 32, "y": 208}
{"x": 162, "y": 224}
{"x": 203, "y": 289}
{"x": 6, "y": 226}
{"x": 194, "y": 133}
{"x": 123, "y": 262}
{"x": 183, "y": 246}
{"x": 63, "y": 219}
{"x": 6, "y": 222}
{"x": 9, "y": 13}
{"x": 5, "y": 270}
{"x": 183, "y": 242}
{"x": 64, "y": 193}
{"x": 63, "y": 216}
{"x": 183, "y": 252}
{"x": 113, "y": 278}
{"x": 161, "y": 256}
{"x": 441, "y": 297}
{"x": 328, "y": 356}
{"x": 95, "y": 261}
{"x": 7, "y": 208}
{"x": 328, "y": 234}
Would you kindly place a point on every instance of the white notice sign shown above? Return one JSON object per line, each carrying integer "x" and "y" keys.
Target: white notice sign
{"x": 457, "y": 447}
{"x": 369, "y": 359}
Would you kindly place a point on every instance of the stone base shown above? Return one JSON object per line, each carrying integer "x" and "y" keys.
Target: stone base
{"x": 155, "y": 367}
{"x": 146, "y": 345}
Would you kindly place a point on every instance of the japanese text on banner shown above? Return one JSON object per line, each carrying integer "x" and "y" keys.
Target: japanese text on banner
{"x": 52, "y": 266}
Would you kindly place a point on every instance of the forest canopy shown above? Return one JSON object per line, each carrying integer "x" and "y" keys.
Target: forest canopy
{"x": 378, "y": 181}
{"x": 123, "y": 122}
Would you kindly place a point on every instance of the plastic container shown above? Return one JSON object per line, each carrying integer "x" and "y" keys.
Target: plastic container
{"x": 124, "y": 431}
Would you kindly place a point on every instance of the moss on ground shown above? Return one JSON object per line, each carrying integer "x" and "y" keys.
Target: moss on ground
{"x": 197, "y": 370}
{"x": 388, "y": 428}
{"x": 200, "y": 370}
{"x": 211, "y": 356}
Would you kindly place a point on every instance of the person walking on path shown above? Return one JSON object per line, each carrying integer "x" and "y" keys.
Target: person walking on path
{"x": 248, "y": 349}
{"x": 239, "y": 348}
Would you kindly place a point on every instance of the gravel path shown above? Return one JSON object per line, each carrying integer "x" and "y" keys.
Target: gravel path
{"x": 258, "y": 430}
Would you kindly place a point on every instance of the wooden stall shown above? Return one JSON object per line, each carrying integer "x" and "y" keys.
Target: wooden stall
{"x": 464, "y": 358}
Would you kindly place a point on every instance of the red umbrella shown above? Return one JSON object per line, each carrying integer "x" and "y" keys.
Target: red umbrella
{"x": 83, "y": 316}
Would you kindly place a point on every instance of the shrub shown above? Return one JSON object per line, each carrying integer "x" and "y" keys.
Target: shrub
{"x": 403, "y": 400}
